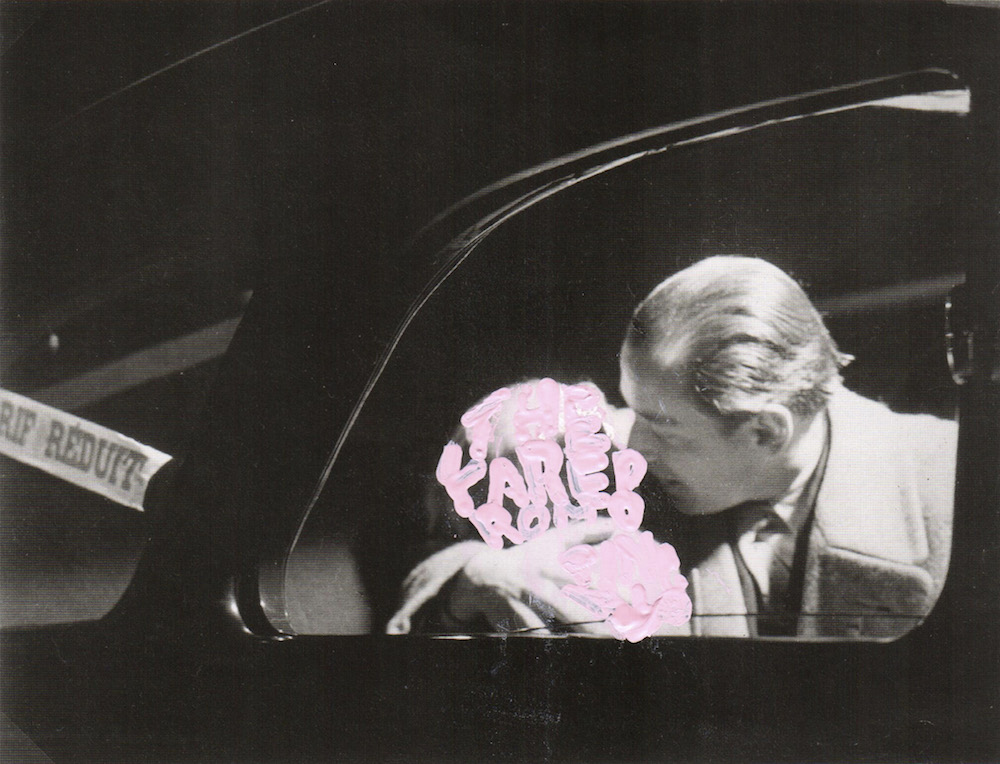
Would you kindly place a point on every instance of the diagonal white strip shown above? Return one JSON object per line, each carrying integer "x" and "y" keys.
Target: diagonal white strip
{"x": 894, "y": 296}
{"x": 191, "y": 57}
{"x": 138, "y": 368}
{"x": 80, "y": 452}
{"x": 950, "y": 101}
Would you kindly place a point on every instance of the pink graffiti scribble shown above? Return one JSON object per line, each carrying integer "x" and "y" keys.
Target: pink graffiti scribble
{"x": 630, "y": 581}
{"x": 457, "y": 480}
{"x": 542, "y": 420}
{"x": 478, "y": 422}
{"x": 544, "y": 409}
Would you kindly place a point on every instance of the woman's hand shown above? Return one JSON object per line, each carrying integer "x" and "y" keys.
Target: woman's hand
{"x": 520, "y": 587}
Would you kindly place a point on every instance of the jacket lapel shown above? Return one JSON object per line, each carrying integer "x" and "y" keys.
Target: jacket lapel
{"x": 868, "y": 540}
{"x": 707, "y": 560}
{"x": 719, "y": 607}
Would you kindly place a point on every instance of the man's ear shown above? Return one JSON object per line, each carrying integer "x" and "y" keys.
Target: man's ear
{"x": 773, "y": 427}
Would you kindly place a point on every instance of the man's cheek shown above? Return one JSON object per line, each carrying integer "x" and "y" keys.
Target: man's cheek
{"x": 640, "y": 438}
{"x": 664, "y": 476}
{"x": 663, "y": 447}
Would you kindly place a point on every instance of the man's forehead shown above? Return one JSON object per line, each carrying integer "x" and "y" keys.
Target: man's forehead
{"x": 646, "y": 366}
{"x": 665, "y": 347}
{"x": 643, "y": 377}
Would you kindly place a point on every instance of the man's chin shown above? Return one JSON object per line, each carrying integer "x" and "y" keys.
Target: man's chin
{"x": 694, "y": 506}
{"x": 677, "y": 496}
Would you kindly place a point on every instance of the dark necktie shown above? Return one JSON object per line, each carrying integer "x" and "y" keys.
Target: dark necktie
{"x": 767, "y": 546}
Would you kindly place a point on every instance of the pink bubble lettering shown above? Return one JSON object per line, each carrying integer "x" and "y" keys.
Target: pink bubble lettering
{"x": 493, "y": 523}
{"x": 629, "y": 581}
{"x": 542, "y": 461}
{"x": 540, "y": 421}
{"x": 626, "y": 506}
{"x": 532, "y": 520}
{"x": 457, "y": 480}
{"x": 505, "y": 480}
{"x": 479, "y": 421}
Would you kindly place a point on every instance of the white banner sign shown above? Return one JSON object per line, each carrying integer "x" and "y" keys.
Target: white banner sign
{"x": 81, "y": 452}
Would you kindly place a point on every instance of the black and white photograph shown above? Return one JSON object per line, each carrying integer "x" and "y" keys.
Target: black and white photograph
{"x": 552, "y": 381}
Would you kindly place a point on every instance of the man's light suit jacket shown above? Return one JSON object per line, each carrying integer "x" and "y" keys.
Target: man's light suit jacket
{"x": 880, "y": 537}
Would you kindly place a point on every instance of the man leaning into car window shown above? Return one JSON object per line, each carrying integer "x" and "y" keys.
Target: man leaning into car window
{"x": 797, "y": 508}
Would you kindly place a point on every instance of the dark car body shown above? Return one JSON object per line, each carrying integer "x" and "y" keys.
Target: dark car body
{"x": 350, "y": 158}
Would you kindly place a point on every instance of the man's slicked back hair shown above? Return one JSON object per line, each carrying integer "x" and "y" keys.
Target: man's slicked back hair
{"x": 742, "y": 333}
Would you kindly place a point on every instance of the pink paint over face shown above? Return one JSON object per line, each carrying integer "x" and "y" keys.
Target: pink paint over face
{"x": 630, "y": 580}
{"x": 457, "y": 480}
{"x": 586, "y": 447}
{"x": 479, "y": 422}
{"x": 544, "y": 410}
{"x": 541, "y": 421}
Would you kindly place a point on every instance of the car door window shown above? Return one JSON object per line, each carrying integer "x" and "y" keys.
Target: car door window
{"x": 864, "y": 209}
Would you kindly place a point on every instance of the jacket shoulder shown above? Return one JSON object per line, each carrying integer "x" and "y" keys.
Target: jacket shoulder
{"x": 925, "y": 439}
{"x": 914, "y": 457}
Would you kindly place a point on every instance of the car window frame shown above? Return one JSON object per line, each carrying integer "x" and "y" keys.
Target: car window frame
{"x": 454, "y": 234}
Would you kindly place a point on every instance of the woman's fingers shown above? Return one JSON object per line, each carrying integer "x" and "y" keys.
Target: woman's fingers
{"x": 555, "y": 606}
{"x": 589, "y": 532}
{"x": 525, "y": 581}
